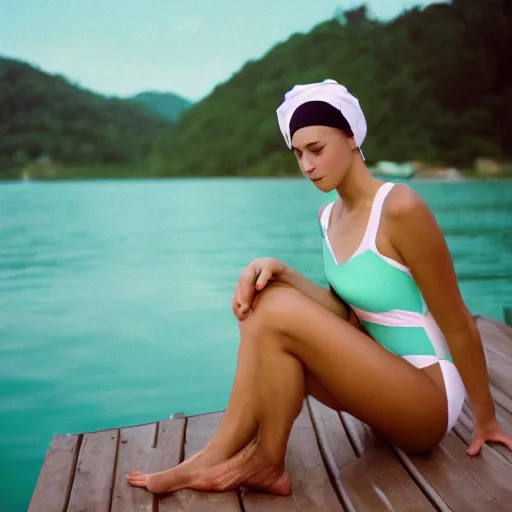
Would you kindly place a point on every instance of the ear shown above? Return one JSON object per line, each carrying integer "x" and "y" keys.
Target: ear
{"x": 352, "y": 143}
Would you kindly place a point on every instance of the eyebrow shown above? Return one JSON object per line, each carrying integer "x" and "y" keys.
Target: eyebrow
{"x": 307, "y": 145}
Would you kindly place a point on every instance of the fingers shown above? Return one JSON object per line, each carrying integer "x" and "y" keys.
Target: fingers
{"x": 253, "y": 279}
{"x": 244, "y": 293}
{"x": 475, "y": 447}
{"x": 243, "y": 311}
{"x": 239, "y": 310}
{"x": 263, "y": 279}
{"x": 501, "y": 437}
{"x": 247, "y": 289}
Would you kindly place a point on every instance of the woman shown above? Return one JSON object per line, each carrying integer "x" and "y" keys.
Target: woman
{"x": 405, "y": 373}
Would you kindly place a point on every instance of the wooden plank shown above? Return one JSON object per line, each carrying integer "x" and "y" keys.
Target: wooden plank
{"x": 92, "y": 486}
{"x": 361, "y": 435}
{"x": 260, "y": 502}
{"x": 53, "y": 486}
{"x": 331, "y": 433}
{"x": 492, "y": 472}
{"x": 311, "y": 487}
{"x": 465, "y": 425}
{"x": 501, "y": 326}
{"x": 502, "y": 402}
{"x": 505, "y": 418}
{"x": 167, "y": 452}
{"x": 500, "y": 376}
{"x": 443, "y": 475}
{"x": 500, "y": 373}
{"x": 377, "y": 480}
{"x": 369, "y": 440}
{"x": 198, "y": 432}
{"x": 135, "y": 449}
{"x": 334, "y": 445}
{"x": 497, "y": 341}
{"x": 496, "y": 336}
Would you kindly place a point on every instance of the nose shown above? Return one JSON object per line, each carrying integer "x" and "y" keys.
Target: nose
{"x": 307, "y": 165}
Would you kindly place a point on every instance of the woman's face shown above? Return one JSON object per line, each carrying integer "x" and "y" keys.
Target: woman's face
{"x": 325, "y": 155}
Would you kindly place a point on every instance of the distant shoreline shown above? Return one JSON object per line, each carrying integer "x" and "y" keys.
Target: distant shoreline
{"x": 117, "y": 173}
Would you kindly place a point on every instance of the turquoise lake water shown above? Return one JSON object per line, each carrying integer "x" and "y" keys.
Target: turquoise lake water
{"x": 115, "y": 296}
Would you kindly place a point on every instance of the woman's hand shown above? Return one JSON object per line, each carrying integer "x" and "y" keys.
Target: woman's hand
{"x": 491, "y": 431}
{"x": 253, "y": 279}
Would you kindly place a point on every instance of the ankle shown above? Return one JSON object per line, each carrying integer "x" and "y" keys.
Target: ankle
{"x": 211, "y": 455}
{"x": 272, "y": 459}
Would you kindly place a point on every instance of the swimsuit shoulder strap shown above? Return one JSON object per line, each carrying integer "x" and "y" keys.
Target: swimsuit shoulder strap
{"x": 375, "y": 215}
{"x": 324, "y": 218}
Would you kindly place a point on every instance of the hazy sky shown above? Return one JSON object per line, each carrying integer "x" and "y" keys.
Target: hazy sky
{"x": 124, "y": 47}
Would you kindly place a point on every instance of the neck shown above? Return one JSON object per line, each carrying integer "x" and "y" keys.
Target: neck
{"x": 359, "y": 186}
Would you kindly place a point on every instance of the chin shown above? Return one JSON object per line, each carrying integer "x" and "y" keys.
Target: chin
{"x": 324, "y": 186}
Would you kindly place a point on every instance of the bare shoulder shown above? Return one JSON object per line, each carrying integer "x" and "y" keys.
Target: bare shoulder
{"x": 403, "y": 201}
{"x": 411, "y": 223}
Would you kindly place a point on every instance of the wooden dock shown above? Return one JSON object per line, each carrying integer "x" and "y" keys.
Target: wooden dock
{"x": 336, "y": 463}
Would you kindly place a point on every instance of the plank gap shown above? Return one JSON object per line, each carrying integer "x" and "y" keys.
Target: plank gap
{"x": 114, "y": 473}
{"x": 240, "y": 500}
{"x": 181, "y": 455}
{"x": 352, "y": 437}
{"x": 73, "y": 470}
{"x": 428, "y": 491}
{"x": 155, "y": 437}
{"x": 328, "y": 459}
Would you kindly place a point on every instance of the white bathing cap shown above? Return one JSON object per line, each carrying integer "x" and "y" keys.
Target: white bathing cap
{"x": 331, "y": 92}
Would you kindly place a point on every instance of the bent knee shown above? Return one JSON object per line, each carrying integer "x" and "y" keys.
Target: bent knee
{"x": 274, "y": 305}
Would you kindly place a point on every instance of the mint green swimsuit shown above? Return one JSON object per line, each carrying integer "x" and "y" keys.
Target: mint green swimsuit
{"x": 389, "y": 304}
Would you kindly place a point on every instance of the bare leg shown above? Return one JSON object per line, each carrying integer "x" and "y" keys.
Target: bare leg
{"x": 278, "y": 391}
{"x": 404, "y": 403}
{"x": 282, "y": 389}
{"x": 239, "y": 424}
{"x": 238, "y": 427}
{"x": 289, "y": 330}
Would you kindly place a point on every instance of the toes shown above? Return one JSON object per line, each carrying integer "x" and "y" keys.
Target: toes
{"x": 138, "y": 482}
{"x": 137, "y": 479}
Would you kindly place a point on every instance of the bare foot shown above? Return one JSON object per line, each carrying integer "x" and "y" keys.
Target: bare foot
{"x": 164, "y": 481}
{"x": 248, "y": 468}
{"x": 177, "y": 477}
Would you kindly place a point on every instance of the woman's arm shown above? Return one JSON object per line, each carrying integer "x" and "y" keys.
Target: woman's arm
{"x": 258, "y": 273}
{"x": 418, "y": 239}
{"x": 256, "y": 276}
{"x": 325, "y": 297}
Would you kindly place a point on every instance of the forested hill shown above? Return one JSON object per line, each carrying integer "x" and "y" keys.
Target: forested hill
{"x": 168, "y": 105}
{"x": 43, "y": 115}
{"x": 435, "y": 85}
